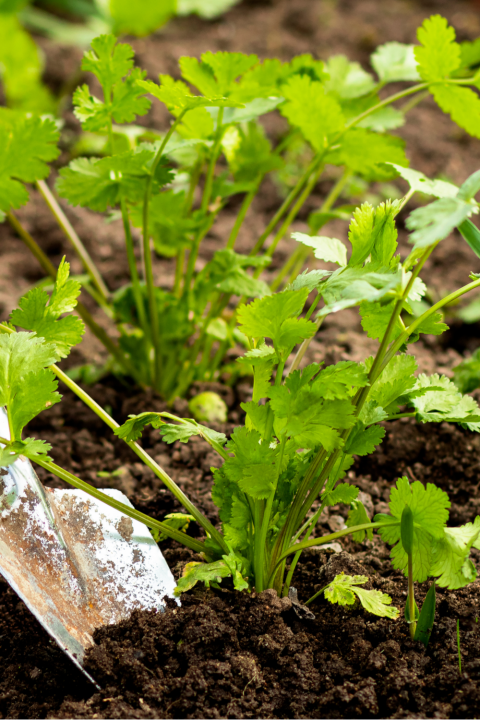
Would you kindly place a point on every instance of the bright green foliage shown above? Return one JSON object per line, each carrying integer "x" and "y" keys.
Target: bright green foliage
{"x": 27, "y": 143}
{"x": 99, "y": 184}
{"x": 462, "y": 104}
{"x": 395, "y": 61}
{"x": 215, "y": 74}
{"x": 112, "y": 64}
{"x": 42, "y": 314}
{"x": 439, "y": 55}
{"x": 343, "y": 493}
{"x": 132, "y": 429}
{"x": 324, "y": 248}
{"x": 344, "y": 590}
{"x": 358, "y": 516}
{"x": 178, "y": 521}
{"x": 129, "y": 18}
{"x": 347, "y": 79}
{"x": 373, "y": 232}
{"x": 176, "y": 95}
{"x": 364, "y": 152}
{"x": 450, "y": 561}
{"x": 467, "y": 373}
{"x": 436, "y": 221}
{"x": 435, "y": 398}
{"x": 27, "y": 387}
{"x": 317, "y": 115}
{"x": 420, "y": 183}
{"x": 212, "y": 574}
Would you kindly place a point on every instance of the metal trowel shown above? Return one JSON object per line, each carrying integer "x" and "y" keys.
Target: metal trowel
{"x": 76, "y": 563}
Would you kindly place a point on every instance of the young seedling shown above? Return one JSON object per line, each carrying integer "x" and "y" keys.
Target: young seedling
{"x": 406, "y": 534}
{"x": 170, "y": 186}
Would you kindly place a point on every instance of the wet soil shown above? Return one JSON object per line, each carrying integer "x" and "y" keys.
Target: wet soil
{"x": 227, "y": 655}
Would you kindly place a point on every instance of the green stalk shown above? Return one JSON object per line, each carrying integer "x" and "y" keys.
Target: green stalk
{"x": 192, "y": 258}
{"x": 132, "y": 264}
{"x": 75, "y": 241}
{"x": 297, "y": 259}
{"x": 285, "y": 205}
{"x": 257, "y": 549}
{"x": 304, "y": 346}
{"x": 80, "y": 308}
{"x": 299, "y": 547}
{"x": 179, "y": 270}
{"x": 147, "y": 255}
{"x": 247, "y": 201}
{"x": 177, "y": 535}
{"x": 411, "y": 597}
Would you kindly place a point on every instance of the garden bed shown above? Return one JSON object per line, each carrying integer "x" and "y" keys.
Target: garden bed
{"x": 228, "y": 655}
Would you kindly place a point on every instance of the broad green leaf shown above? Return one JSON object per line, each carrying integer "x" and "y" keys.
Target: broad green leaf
{"x": 396, "y": 379}
{"x": 226, "y": 273}
{"x": 432, "y": 325}
{"x": 363, "y": 441}
{"x": 439, "y": 55}
{"x": 358, "y": 516}
{"x": 420, "y": 183}
{"x": 26, "y": 385}
{"x": 462, "y": 104}
{"x": 215, "y": 74}
{"x": 132, "y": 428}
{"x": 339, "y": 381}
{"x": 344, "y": 588}
{"x": 440, "y": 401}
{"x": 126, "y": 103}
{"x": 470, "y": 187}
{"x": 309, "y": 109}
{"x": 27, "y": 143}
{"x": 41, "y": 314}
{"x": 429, "y": 506}
{"x": 366, "y": 153}
{"x": 350, "y": 286}
{"x": 376, "y": 318}
{"x": 450, "y": 561}
{"x": 253, "y": 466}
{"x": 395, "y": 61}
{"x": 343, "y": 493}
{"x": 101, "y": 183}
{"x": 324, "y": 248}
{"x": 436, "y": 221}
{"x": 186, "y": 429}
{"x": 176, "y": 95}
{"x": 470, "y": 53}
{"x": 177, "y": 521}
{"x": 108, "y": 60}
{"x": 194, "y": 572}
{"x": 347, "y": 79}
{"x": 310, "y": 280}
{"x": 207, "y": 10}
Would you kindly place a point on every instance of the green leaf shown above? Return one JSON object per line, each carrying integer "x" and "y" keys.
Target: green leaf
{"x": 308, "y": 108}
{"x": 27, "y": 143}
{"x": 177, "y": 521}
{"x": 253, "y": 466}
{"x": 310, "y": 280}
{"x": 339, "y": 381}
{"x": 350, "y": 286}
{"x": 439, "y": 54}
{"x": 210, "y": 10}
{"x": 132, "y": 428}
{"x": 470, "y": 53}
{"x": 274, "y": 316}
{"x": 420, "y": 183}
{"x": 343, "y": 493}
{"x": 432, "y": 325}
{"x": 365, "y": 153}
{"x": 467, "y": 373}
{"x": 358, "y": 516}
{"x": 347, "y": 79}
{"x": 376, "y": 317}
{"x": 363, "y": 441}
{"x": 440, "y": 401}
{"x": 108, "y": 60}
{"x": 429, "y": 507}
{"x": 176, "y": 95}
{"x": 396, "y": 379}
{"x": 29, "y": 448}
{"x": 344, "y": 588}
{"x": 462, "y": 104}
{"x": 101, "y": 183}
{"x": 226, "y": 273}
{"x": 216, "y": 73}
{"x": 436, "y": 221}
{"x": 41, "y": 314}
{"x": 325, "y": 248}
{"x": 426, "y": 617}
{"x": 470, "y": 187}
{"x": 26, "y": 386}
{"x": 373, "y": 232}
{"x": 395, "y": 61}
{"x": 450, "y": 556}
{"x": 194, "y": 572}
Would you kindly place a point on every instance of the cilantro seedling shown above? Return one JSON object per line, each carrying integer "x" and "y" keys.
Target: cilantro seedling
{"x": 173, "y": 187}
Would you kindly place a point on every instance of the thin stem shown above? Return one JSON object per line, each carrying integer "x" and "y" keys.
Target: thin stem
{"x": 207, "y": 191}
{"x": 80, "y": 308}
{"x": 132, "y": 264}
{"x": 411, "y": 598}
{"x": 144, "y": 456}
{"x": 285, "y": 205}
{"x": 247, "y": 201}
{"x": 68, "y": 477}
{"x": 179, "y": 269}
{"x": 147, "y": 255}
{"x": 304, "y": 346}
{"x": 72, "y": 236}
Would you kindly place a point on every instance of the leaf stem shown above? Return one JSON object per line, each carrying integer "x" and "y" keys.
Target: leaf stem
{"x": 411, "y": 598}
{"x": 132, "y": 264}
{"x": 72, "y": 236}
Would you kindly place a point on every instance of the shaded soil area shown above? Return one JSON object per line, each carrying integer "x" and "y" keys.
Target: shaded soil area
{"x": 221, "y": 654}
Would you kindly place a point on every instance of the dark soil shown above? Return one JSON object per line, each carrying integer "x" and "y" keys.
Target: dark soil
{"x": 227, "y": 655}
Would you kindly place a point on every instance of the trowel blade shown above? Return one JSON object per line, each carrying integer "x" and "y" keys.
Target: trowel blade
{"x": 76, "y": 563}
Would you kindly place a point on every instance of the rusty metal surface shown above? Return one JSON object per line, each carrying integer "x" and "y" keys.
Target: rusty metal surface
{"x": 76, "y": 562}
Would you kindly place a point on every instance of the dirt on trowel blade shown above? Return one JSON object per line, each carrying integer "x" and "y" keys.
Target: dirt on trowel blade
{"x": 75, "y": 562}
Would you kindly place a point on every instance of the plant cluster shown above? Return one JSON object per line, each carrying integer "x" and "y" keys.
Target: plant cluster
{"x": 304, "y": 425}
{"x": 173, "y": 187}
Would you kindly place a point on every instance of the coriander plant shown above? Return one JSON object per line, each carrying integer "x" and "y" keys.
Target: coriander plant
{"x": 169, "y": 190}
{"x": 304, "y": 425}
